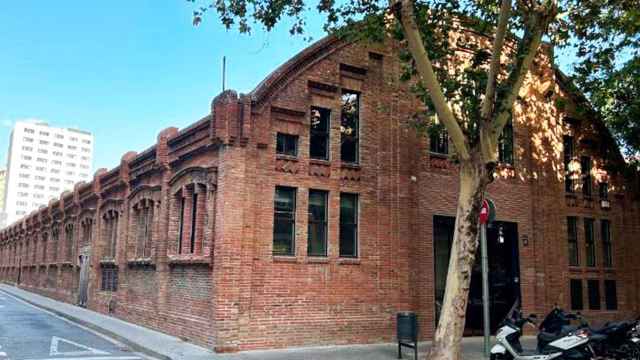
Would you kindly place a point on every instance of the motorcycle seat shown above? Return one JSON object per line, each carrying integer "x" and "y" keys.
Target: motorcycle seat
{"x": 546, "y": 337}
{"x": 529, "y": 352}
{"x": 598, "y": 337}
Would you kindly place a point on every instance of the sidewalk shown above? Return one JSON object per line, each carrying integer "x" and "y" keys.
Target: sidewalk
{"x": 165, "y": 347}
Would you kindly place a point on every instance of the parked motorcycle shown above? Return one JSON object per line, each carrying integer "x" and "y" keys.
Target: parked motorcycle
{"x": 573, "y": 346}
{"x": 615, "y": 340}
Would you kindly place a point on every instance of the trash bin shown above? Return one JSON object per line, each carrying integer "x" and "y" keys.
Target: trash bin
{"x": 407, "y": 332}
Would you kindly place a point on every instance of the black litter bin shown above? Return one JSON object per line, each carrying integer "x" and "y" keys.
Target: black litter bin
{"x": 407, "y": 332}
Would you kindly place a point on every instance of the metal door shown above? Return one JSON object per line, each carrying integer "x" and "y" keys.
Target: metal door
{"x": 84, "y": 262}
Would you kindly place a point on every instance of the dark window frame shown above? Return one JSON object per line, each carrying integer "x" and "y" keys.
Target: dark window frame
{"x": 575, "y": 294}
{"x": 589, "y": 242}
{"x": 320, "y": 135}
{"x": 610, "y": 295}
{"x": 572, "y": 240}
{"x": 183, "y": 203}
{"x": 439, "y": 141}
{"x": 320, "y": 224}
{"x": 292, "y": 220}
{"x": 287, "y": 144}
{"x": 506, "y": 144}
{"x": 109, "y": 278}
{"x": 350, "y": 139}
{"x": 603, "y": 191}
{"x": 352, "y": 226}
{"x": 605, "y": 236}
{"x": 586, "y": 165}
{"x": 568, "y": 148}
{"x": 194, "y": 221}
{"x": 593, "y": 292}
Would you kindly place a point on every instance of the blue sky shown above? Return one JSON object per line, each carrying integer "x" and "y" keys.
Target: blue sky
{"x": 124, "y": 70}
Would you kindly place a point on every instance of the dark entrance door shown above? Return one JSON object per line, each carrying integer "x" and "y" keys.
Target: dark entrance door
{"x": 84, "y": 260}
{"x": 19, "y": 270}
{"x": 504, "y": 272}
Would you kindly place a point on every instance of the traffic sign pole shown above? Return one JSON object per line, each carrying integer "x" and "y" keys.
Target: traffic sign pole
{"x": 487, "y": 214}
{"x": 485, "y": 288}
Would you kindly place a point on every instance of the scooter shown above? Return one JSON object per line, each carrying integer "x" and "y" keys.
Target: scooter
{"x": 615, "y": 340}
{"x": 574, "y": 345}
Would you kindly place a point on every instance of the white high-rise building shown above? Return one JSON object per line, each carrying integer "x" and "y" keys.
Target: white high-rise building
{"x": 3, "y": 180}
{"x": 43, "y": 162}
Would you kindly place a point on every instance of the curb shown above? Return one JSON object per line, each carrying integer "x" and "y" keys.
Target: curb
{"x": 133, "y": 345}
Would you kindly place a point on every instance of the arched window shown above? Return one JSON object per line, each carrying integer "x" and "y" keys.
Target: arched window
{"x": 110, "y": 220}
{"x": 191, "y": 201}
{"x": 191, "y": 212}
{"x": 68, "y": 242}
{"x": 25, "y": 255}
{"x": 87, "y": 231}
{"x": 143, "y": 221}
{"x": 55, "y": 236}
{"x": 45, "y": 238}
{"x": 34, "y": 252}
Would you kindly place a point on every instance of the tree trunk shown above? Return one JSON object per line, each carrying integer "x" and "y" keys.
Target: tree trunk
{"x": 474, "y": 178}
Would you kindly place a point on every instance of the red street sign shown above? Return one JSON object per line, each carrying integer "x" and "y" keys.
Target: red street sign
{"x": 484, "y": 212}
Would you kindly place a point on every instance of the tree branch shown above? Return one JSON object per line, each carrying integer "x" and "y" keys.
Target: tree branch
{"x": 429, "y": 79}
{"x": 496, "y": 53}
{"x": 526, "y": 52}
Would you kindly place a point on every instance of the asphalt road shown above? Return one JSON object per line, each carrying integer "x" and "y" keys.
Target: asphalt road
{"x": 30, "y": 333}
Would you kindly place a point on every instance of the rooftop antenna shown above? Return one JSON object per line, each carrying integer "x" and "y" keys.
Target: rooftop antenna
{"x": 224, "y": 71}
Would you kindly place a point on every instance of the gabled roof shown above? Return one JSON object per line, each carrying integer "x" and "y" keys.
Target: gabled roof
{"x": 286, "y": 72}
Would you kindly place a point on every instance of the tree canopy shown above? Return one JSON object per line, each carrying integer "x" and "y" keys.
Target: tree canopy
{"x": 602, "y": 36}
{"x": 605, "y": 41}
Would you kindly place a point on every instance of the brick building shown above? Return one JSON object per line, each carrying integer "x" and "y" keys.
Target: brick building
{"x": 310, "y": 211}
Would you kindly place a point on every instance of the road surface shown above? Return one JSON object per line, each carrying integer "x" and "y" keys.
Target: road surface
{"x": 30, "y": 333}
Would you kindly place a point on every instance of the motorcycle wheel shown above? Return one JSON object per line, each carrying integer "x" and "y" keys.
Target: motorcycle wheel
{"x": 506, "y": 356}
{"x": 629, "y": 351}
